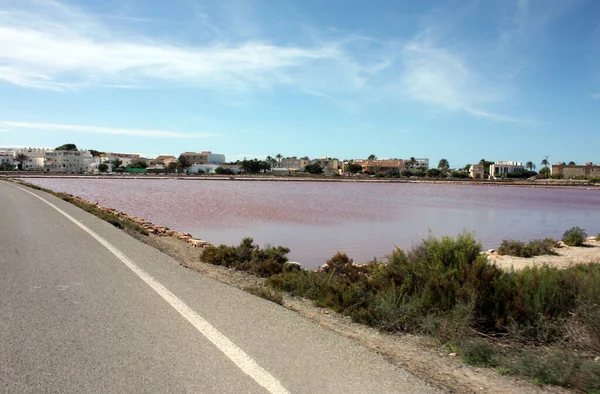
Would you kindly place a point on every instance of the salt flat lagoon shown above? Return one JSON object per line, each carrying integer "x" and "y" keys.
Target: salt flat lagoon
{"x": 316, "y": 220}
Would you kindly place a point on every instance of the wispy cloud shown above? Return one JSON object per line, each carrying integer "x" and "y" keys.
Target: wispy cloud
{"x": 596, "y": 96}
{"x": 60, "y": 48}
{"x": 104, "y": 130}
{"x": 442, "y": 77}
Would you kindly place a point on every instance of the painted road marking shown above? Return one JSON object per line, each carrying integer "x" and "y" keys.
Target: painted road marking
{"x": 242, "y": 360}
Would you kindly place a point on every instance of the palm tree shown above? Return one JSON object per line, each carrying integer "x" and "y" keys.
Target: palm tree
{"x": 279, "y": 156}
{"x": 545, "y": 163}
{"x": 530, "y": 166}
{"x": 21, "y": 158}
{"x": 443, "y": 165}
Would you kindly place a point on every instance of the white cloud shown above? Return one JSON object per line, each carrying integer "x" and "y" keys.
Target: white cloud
{"x": 442, "y": 77}
{"x": 596, "y": 96}
{"x": 61, "y": 48}
{"x": 105, "y": 130}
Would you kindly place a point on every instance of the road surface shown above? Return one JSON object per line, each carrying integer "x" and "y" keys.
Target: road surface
{"x": 85, "y": 308}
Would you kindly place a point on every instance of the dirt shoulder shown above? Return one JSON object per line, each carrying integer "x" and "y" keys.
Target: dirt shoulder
{"x": 418, "y": 355}
{"x": 566, "y": 256}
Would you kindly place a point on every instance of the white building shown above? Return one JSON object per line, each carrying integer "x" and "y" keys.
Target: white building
{"x": 214, "y": 158}
{"x": 125, "y": 158}
{"x": 421, "y": 163}
{"x": 93, "y": 168}
{"x": 500, "y": 168}
{"x": 35, "y": 158}
{"x": 209, "y": 168}
{"x": 6, "y": 159}
{"x": 68, "y": 161}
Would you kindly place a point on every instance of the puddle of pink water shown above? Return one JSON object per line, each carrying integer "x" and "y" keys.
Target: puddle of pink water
{"x": 364, "y": 220}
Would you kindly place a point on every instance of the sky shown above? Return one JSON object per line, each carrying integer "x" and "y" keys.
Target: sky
{"x": 462, "y": 80}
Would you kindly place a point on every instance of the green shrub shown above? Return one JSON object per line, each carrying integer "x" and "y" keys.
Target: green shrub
{"x": 598, "y": 237}
{"x": 595, "y": 179}
{"x": 560, "y": 367}
{"x": 433, "y": 173}
{"x": 478, "y": 353}
{"x": 459, "y": 174}
{"x": 533, "y": 248}
{"x": 223, "y": 171}
{"x": 579, "y": 177}
{"x": 574, "y": 237}
{"x": 248, "y": 257}
{"x": 267, "y": 293}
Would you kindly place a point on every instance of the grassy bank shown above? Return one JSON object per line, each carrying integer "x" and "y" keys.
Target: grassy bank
{"x": 447, "y": 289}
{"x": 91, "y": 208}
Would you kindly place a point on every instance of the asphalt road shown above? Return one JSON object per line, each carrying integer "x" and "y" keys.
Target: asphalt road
{"x": 95, "y": 310}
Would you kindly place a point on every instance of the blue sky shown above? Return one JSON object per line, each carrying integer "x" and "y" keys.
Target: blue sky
{"x": 463, "y": 80}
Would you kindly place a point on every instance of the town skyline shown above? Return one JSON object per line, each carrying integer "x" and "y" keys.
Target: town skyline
{"x": 500, "y": 80}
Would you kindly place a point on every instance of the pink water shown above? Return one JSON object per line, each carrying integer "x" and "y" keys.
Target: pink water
{"x": 364, "y": 220}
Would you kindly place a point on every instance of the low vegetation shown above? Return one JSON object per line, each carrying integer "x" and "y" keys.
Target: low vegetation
{"x": 537, "y": 247}
{"x": 249, "y": 257}
{"x": 446, "y": 288}
{"x": 574, "y": 237}
{"x": 543, "y": 365}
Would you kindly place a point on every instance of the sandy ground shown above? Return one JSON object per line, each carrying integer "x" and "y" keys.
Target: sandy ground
{"x": 566, "y": 257}
{"x": 418, "y": 355}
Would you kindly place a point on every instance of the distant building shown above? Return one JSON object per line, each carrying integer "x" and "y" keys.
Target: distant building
{"x": 500, "y": 168}
{"x": 330, "y": 166}
{"x": 166, "y": 160}
{"x": 477, "y": 171}
{"x": 210, "y": 168}
{"x": 67, "y": 161}
{"x": 421, "y": 163}
{"x": 569, "y": 171}
{"x": 93, "y": 168}
{"x": 383, "y": 166}
{"x": 35, "y": 158}
{"x": 293, "y": 164}
{"x": 204, "y": 157}
{"x": 6, "y": 160}
{"x": 126, "y": 158}
{"x": 389, "y": 165}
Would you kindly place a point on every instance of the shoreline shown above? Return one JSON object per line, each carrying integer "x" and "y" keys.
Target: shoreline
{"x": 540, "y": 184}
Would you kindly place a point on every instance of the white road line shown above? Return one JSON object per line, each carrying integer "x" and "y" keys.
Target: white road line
{"x": 224, "y": 344}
